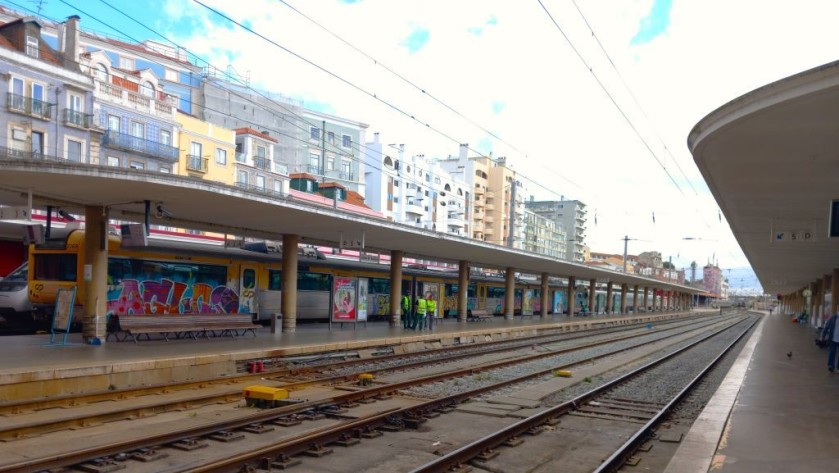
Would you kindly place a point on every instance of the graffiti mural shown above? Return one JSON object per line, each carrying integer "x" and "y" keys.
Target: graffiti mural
{"x": 145, "y": 287}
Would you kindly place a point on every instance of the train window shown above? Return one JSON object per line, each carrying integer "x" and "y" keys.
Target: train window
{"x": 275, "y": 280}
{"x": 249, "y": 279}
{"x": 60, "y": 267}
{"x": 313, "y": 282}
{"x": 379, "y": 286}
{"x": 495, "y": 292}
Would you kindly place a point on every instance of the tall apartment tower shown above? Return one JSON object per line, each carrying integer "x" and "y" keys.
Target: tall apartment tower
{"x": 572, "y": 215}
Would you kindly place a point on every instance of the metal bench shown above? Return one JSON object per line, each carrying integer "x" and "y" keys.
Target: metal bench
{"x": 478, "y": 315}
{"x": 182, "y": 326}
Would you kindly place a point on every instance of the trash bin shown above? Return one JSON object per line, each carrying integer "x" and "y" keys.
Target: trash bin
{"x": 276, "y": 323}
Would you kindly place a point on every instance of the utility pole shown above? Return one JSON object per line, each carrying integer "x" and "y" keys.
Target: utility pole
{"x": 512, "y": 226}
{"x": 625, "y": 244}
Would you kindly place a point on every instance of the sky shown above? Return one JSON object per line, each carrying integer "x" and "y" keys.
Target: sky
{"x": 590, "y": 100}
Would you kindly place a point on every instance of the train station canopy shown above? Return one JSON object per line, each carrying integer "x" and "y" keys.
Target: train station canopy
{"x": 210, "y": 206}
{"x": 769, "y": 158}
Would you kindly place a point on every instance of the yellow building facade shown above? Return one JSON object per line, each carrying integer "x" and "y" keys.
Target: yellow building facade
{"x": 207, "y": 151}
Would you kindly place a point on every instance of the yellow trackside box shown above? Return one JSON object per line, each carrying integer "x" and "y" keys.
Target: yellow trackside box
{"x": 265, "y": 393}
{"x": 562, "y": 373}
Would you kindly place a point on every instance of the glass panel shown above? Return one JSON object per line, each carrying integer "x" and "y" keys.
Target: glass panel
{"x": 74, "y": 151}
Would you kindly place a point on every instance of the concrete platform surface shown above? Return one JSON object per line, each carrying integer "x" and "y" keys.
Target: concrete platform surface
{"x": 774, "y": 413}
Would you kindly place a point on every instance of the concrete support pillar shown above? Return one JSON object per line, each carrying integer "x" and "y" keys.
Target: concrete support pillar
{"x": 592, "y": 296}
{"x": 635, "y": 299}
{"x": 462, "y": 290}
{"x": 396, "y": 288}
{"x": 609, "y": 297}
{"x": 544, "y": 303}
{"x": 646, "y": 293}
{"x": 509, "y": 293}
{"x": 95, "y": 301}
{"x": 289, "y": 285}
{"x": 624, "y": 289}
{"x": 572, "y": 295}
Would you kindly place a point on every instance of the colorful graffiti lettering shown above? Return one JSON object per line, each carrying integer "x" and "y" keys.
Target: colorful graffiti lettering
{"x": 131, "y": 296}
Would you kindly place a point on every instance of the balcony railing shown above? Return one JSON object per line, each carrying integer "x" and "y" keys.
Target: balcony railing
{"x": 262, "y": 190}
{"x": 28, "y": 106}
{"x": 114, "y": 139}
{"x": 76, "y": 118}
{"x": 196, "y": 163}
{"x": 162, "y": 105}
{"x": 260, "y": 162}
{"x": 10, "y": 153}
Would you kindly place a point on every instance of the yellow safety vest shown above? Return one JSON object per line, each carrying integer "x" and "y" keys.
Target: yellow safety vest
{"x": 432, "y": 306}
{"x": 421, "y": 306}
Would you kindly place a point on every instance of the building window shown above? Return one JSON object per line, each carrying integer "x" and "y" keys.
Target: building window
{"x": 347, "y": 141}
{"x": 126, "y": 63}
{"x": 260, "y": 151}
{"x": 196, "y": 149}
{"x": 137, "y": 165}
{"x": 346, "y": 168}
{"x": 74, "y": 151}
{"x": 171, "y": 75}
{"x": 278, "y": 186}
{"x": 330, "y": 163}
{"x": 38, "y": 143}
{"x": 138, "y": 130}
{"x": 166, "y": 170}
{"x": 314, "y": 133}
{"x": 260, "y": 182}
{"x": 314, "y": 161}
{"x": 100, "y": 72}
{"x": 113, "y": 161}
{"x": 330, "y": 137}
{"x": 113, "y": 122}
{"x": 243, "y": 178}
{"x": 147, "y": 89}
{"x": 32, "y": 48}
{"x": 221, "y": 156}
{"x": 166, "y": 137}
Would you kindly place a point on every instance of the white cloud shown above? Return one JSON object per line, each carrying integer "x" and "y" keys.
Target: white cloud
{"x": 575, "y": 140}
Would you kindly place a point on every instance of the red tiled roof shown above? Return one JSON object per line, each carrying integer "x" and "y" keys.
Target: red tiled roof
{"x": 302, "y": 175}
{"x": 251, "y": 131}
{"x": 328, "y": 185}
{"x": 354, "y": 198}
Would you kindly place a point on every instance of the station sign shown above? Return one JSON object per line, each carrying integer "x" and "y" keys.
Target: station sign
{"x": 792, "y": 231}
{"x": 15, "y": 213}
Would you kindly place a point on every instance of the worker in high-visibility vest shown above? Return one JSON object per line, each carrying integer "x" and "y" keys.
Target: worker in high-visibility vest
{"x": 419, "y": 316}
{"x": 431, "y": 305}
{"x": 406, "y": 311}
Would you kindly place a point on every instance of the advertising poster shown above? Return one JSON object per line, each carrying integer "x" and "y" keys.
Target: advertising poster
{"x": 343, "y": 299}
{"x": 527, "y": 303}
{"x": 361, "y": 307}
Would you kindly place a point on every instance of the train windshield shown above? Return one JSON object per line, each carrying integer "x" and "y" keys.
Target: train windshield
{"x": 18, "y": 274}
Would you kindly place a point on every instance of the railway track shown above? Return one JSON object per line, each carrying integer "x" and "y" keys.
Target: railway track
{"x": 131, "y": 404}
{"x": 351, "y": 426}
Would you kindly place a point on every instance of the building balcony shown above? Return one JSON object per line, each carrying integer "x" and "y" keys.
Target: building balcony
{"x": 162, "y": 106}
{"x": 76, "y": 118}
{"x": 490, "y": 207}
{"x": 116, "y": 140}
{"x": 414, "y": 209}
{"x": 28, "y": 106}
{"x": 489, "y": 231}
{"x": 196, "y": 163}
{"x": 456, "y": 222}
{"x": 341, "y": 175}
{"x": 261, "y": 162}
{"x": 259, "y": 189}
{"x": 11, "y": 153}
{"x": 489, "y": 219}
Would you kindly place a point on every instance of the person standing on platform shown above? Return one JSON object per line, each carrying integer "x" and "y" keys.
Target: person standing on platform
{"x": 419, "y": 316}
{"x": 406, "y": 311}
{"x": 431, "y": 305}
{"x": 831, "y": 335}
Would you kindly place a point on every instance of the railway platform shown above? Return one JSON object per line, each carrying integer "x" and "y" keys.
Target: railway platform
{"x": 776, "y": 412}
{"x": 31, "y": 368}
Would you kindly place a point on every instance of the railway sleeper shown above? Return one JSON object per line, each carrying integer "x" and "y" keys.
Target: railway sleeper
{"x": 317, "y": 450}
{"x": 280, "y": 462}
{"x": 101, "y": 465}
{"x": 190, "y": 444}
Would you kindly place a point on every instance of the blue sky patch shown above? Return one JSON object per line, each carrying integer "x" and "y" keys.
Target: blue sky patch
{"x": 655, "y": 23}
{"x": 479, "y": 30}
{"x": 416, "y": 40}
{"x": 497, "y": 107}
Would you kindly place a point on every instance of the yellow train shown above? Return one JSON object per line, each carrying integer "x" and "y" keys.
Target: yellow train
{"x": 176, "y": 277}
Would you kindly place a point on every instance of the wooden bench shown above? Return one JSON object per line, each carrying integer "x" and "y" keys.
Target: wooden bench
{"x": 182, "y": 326}
{"x": 478, "y": 315}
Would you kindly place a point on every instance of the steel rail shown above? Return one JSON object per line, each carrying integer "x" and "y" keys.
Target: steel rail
{"x": 86, "y": 454}
{"x": 489, "y": 442}
{"x": 13, "y": 431}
